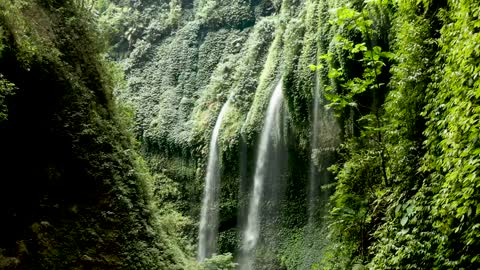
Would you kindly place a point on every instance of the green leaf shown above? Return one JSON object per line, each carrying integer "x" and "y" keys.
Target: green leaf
{"x": 388, "y": 55}
{"x": 404, "y": 220}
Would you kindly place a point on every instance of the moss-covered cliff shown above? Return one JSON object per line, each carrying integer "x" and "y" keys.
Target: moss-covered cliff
{"x": 74, "y": 193}
{"x": 401, "y": 135}
{"x": 181, "y": 71}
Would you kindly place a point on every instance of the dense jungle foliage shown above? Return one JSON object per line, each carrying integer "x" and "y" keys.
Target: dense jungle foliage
{"x": 74, "y": 192}
{"x": 107, "y": 108}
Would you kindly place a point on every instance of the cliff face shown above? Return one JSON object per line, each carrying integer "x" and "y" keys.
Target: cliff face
{"x": 382, "y": 93}
{"x": 184, "y": 59}
{"x": 73, "y": 192}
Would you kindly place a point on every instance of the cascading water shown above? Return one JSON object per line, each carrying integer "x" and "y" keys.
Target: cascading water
{"x": 324, "y": 140}
{"x": 208, "y": 231}
{"x": 314, "y": 185}
{"x": 271, "y": 133}
{"x": 325, "y": 137}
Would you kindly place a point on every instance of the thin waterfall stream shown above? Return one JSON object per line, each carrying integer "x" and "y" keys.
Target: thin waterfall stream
{"x": 208, "y": 231}
{"x": 325, "y": 138}
{"x": 314, "y": 181}
{"x": 271, "y": 132}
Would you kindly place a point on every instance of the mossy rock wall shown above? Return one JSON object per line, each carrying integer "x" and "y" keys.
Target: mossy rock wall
{"x": 179, "y": 79}
{"x": 74, "y": 192}
{"x": 405, "y": 184}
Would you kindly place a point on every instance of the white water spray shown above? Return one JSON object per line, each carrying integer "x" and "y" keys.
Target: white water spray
{"x": 270, "y": 133}
{"x": 208, "y": 232}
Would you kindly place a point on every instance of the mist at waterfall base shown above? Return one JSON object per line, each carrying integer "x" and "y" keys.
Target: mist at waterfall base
{"x": 208, "y": 231}
{"x": 268, "y": 182}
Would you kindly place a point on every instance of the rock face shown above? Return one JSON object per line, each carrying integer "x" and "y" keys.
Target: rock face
{"x": 182, "y": 63}
{"x": 73, "y": 192}
{"x": 362, "y": 73}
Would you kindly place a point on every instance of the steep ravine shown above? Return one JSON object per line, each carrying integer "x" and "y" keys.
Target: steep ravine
{"x": 179, "y": 79}
{"x": 248, "y": 134}
{"x": 74, "y": 192}
{"x": 386, "y": 120}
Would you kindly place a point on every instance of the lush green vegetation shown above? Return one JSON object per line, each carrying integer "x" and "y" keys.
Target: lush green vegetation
{"x": 85, "y": 86}
{"x": 74, "y": 193}
{"x": 400, "y": 77}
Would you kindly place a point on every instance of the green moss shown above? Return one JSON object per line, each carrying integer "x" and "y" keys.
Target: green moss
{"x": 86, "y": 200}
{"x": 234, "y": 14}
{"x": 266, "y": 83}
{"x": 180, "y": 76}
{"x": 6, "y": 89}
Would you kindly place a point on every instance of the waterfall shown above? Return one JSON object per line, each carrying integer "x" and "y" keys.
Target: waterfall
{"x": 207, "y": 240}
{"x": 314, "y": 182}
{"x": 325, "y": 138}
{"x": 271, "y": 133}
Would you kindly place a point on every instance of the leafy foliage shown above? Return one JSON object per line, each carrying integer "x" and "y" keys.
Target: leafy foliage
{"x": 6, "y": 89}
{"x": 400, "y": 75}
{"x": 220, "y": 262}
{"x": 399, "y": 169}
{"x": 84, "y": 199}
